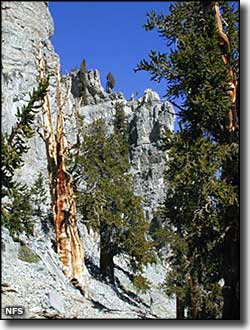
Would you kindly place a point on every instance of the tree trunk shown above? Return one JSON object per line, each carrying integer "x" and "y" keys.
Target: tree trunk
{"x": 231, "y": 289}
{"x": 69, "y": 244}
{"x": 106, "y": 256}
{"x": 194, "y": 312}
{"x": 179, "y": 308}
{"x": 231, "y": 294}
{"x": 231, "y": 249}
{"x": 107, "y": 265}
{"x": 233, "y": 112}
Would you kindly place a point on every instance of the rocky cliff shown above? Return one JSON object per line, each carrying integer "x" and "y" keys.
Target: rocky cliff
{"x": 21, "y": 38}
{"x": 147, "y": 118}
{"x": 26, "y": 26}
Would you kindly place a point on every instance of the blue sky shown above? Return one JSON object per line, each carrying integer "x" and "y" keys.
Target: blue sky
{"x": 110, "y": 36}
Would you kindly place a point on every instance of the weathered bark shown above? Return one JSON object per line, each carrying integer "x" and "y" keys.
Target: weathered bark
{"x": 49, "y": 137}
{"x": 231, "y": 289}
{"x": 233, "y": 111}
{"x": 69, "y": 244}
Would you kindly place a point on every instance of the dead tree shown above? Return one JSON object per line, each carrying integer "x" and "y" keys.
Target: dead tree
{"x": 69, "y": 244}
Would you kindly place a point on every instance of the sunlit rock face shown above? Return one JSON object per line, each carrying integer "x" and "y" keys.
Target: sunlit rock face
{"x": 148, "y": 161}
{"x": 148, "y": 117}
{"x": 26, "y": 26}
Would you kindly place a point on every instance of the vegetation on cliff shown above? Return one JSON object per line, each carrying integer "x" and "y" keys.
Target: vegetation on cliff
{"x": 107, "y": 202}
{"x": 17, "y": 207}
{"x": 201, "y": 212}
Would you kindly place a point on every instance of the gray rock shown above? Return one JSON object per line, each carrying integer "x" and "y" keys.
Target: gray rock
{"x": 9, "y": 247}
{"x": 39, "y": 285}
{"x": 21, "y": 37}
{"x": 56, "y": 302}
{"x": 147, "y": 159}
{"x": 148, "y": 118}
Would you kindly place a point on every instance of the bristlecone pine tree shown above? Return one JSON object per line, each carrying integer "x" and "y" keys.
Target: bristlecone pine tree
{"x": 201, "y": 211}
{"x": 16, "y": 208}
{"x": 14, "y": 145}
{"x": 110, "y": 82}
{"x": 83, "y": 83}
{"x": 107, "y": 202}
{"x": 69, "y": 244}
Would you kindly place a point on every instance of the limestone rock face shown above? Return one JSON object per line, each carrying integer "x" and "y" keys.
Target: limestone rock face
{"x": 148, "y": 161}
{"x": 95, "y": 91}
{"x": 25, "y": 26}
{"x": 148, "y": 118}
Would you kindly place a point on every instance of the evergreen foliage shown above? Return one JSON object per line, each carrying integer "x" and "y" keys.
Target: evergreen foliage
{"x": 201, "y": 212}
{"x": 110, "y": 82}
{"x": 17, "y": 210}
{"x": 23, "y": 203}
{"x": 83, "y": 83}
{"x": 39, "y": 197}
{"x": 107, "y": 202}
{"x": 141, "y": 283}
{"x": 14, "y": 145}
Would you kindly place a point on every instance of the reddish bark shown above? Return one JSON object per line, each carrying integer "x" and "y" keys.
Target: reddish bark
{"x": 233, "y": 111}
{"x": 69, "y": 244}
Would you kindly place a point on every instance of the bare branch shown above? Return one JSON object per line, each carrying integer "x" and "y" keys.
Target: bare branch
{"x": 178, "y": 107}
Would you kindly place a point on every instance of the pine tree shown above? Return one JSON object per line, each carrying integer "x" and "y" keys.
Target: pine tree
{"x": 22, "y": 205}
{"x": 14, "y": 145}
{"x": 110, "y": 82}
{"x": 39, "y": 197}
{"x": 17, "y": 211}
{"x": 107, "y": 202}
{"x": 83, "y": 83}
{"x": 201, "y": 212}
{"x": 16, "y": 205}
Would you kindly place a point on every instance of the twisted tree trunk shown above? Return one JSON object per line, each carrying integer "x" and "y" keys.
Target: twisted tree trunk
{"x": 69, "y": 244}
{"x": 233, "y": 111}
{"x": 231, "y": 289}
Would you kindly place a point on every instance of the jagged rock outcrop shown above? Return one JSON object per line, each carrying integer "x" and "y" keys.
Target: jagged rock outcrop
{"x": 146, "y": 116}
{"x": 148, "y": 161}
{"x": 25, "y": 27}
{"x": 39, "y": 288}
